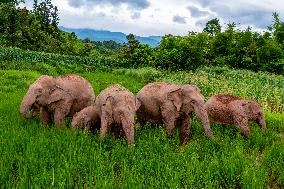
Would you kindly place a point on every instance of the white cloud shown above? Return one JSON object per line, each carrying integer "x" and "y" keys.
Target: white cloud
{"x": 155, "y": 17}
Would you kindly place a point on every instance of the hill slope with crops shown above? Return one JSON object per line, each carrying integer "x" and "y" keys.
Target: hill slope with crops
{"x": 34, "y": 155}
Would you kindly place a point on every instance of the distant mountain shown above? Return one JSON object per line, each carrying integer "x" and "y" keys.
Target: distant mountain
{"x": 102, "y": 35}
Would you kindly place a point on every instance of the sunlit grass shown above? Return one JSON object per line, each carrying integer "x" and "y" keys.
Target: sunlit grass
{"x": 34, "y": 156}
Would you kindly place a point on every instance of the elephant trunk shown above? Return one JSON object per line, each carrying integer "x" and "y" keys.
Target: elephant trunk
{"x": 27, "y": 104}
{"x": 201, "y": 113}
{"x": 127, "y": 122}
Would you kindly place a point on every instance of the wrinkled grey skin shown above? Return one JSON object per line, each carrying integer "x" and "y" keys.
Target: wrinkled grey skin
{"x": 228, "y": 109}
{"x": 61, "y": 96}
{"x": 172, "y": 105}
{"x": 116, "y": 107}
{"x": 88, "y": 118}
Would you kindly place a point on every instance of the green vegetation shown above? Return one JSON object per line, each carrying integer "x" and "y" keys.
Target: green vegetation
{"x": 264, "y": 87}
{"x": 13, "y": 58}
{"x": 36, "y": 156}
{"x": 33, "y": 155}
{"x": 37, "y": 30}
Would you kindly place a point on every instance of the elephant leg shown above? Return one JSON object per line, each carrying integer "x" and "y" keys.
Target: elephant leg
{"x": 261, "y": 122}
{"x": 169, "y": 120}
{"x": 128, "y": 128}
{"x": 59, "y": 117}
{"x": 106, "y": 121}
{"x": 185, "y": 129}
{"x": 141, "y": 120}
{"x": 241, "y": 123}
{"x": 60, "y": 114}
{"x": 44, "y": 116}
{"x": 169, "y": 116}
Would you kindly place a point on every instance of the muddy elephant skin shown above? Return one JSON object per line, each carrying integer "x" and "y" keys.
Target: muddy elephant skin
{"x": 173, "y": 106}
{"x": 61, "y": 97}
{"x": 87, "y": 119}
{"x": 116, "y": 108}
{"x": 229, "y": 109}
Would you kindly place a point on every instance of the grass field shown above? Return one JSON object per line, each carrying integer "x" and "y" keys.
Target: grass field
{"x": 34, "y": 156}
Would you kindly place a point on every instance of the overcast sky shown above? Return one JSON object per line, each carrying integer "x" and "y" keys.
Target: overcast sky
{"x": 160, "y": 17}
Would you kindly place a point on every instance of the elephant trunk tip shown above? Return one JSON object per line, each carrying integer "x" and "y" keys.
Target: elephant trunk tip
{"x": 209, "y": 134}
{"x": 25, "y": 111}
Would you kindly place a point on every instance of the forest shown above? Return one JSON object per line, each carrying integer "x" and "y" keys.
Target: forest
{"x": 37, "y": 30}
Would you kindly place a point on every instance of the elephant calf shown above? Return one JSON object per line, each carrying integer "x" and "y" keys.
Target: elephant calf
{"x": 228, "y": 109}
{"x": 172, "y": 105}
{"x": 61, "y": 97}
{"x": 88, "y": 118}
{"x": 116, "y": 108}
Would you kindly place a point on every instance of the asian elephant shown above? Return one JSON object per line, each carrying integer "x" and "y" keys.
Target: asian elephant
{"x": 61, "y": 97}
{"x": 172, "y": 105}
{"x": 116, "y": 108}
{"x": 229, "y": 109}
{"x": 88, "y": 118}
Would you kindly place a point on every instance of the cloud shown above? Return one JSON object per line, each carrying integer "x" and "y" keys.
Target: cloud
{"x": 260, "y": 18}
{"x": 179, "y": 19}
{"x": 195, "y": 12}
{"x": 133, "y": 4}
{"x": 136, "y": 15}
{"x": 251, "y": 13}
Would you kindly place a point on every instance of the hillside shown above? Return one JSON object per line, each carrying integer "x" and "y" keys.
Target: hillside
{"x": 36, "y": 155}
{"x": 103, "y": 35}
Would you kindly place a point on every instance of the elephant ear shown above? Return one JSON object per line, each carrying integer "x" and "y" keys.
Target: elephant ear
{"x": 176, "y": 97}
{"x": 56, "y": 94}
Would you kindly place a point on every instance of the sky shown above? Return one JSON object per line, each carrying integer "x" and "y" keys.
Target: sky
{"x": 160, "y": 17}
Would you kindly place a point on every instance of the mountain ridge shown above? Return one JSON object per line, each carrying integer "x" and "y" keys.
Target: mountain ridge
{"x": 105, "y": 35}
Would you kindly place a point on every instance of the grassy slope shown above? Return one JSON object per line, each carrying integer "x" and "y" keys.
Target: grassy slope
{"x": 32, "y": 155}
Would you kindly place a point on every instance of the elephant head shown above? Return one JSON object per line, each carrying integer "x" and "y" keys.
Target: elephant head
{"x": 187, "y": 99}
{"x": 41, "y": 92}
{"x": 122, "y": 106}
{"x": 118, "y": 107}
{"x": 87, "y": 118}
{"x": 254, "y": 111}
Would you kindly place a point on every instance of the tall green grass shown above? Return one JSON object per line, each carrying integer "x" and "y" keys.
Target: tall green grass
{"x": 267, "y": 88}
{"x": 35, "y": 156}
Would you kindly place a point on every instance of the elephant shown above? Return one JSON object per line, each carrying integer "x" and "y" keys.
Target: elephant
{"x": 60, "y": 96}
{"x": 229, "y": 109}
{"x": 173, "y": 105}
{"x": 88, "y": 118}
{"x": 116, "y": 108}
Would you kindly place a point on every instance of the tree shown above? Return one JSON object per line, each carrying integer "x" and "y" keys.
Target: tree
{"x": 47, "y": 13}
{"x": 212, "y": 27}
{"x": 278, "y": 29}
{"x": 12, "y": 2}
{"x": 131, "y": 45}
{"x": 136, "y": 54}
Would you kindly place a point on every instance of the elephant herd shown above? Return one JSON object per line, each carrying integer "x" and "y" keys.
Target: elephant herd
{"x": 114, "y": 109}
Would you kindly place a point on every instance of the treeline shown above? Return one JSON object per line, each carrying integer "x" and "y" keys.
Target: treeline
{"x": 241, "y": 49}
{"x": 37, "y": 30}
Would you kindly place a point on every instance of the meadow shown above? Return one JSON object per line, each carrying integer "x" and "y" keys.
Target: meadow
{"x": 36, "y": 156}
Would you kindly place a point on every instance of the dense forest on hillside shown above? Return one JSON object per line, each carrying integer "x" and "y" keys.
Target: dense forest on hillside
{"x": 37, "y": 30}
